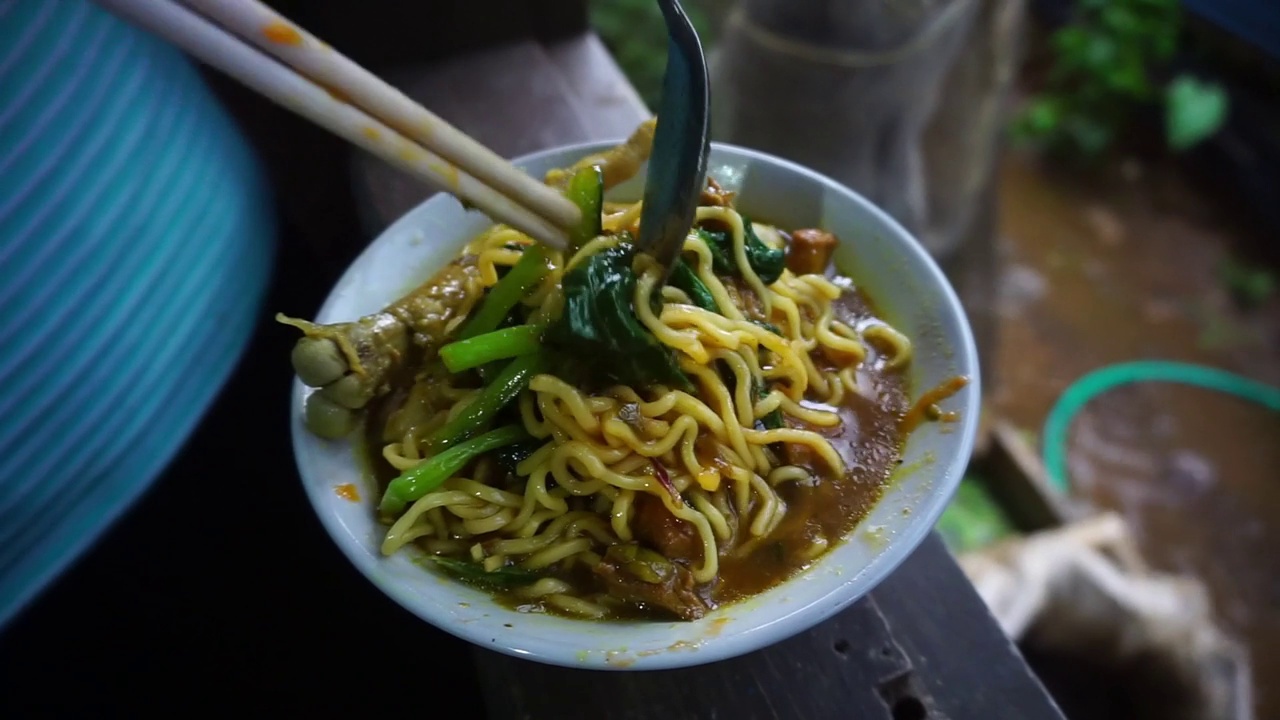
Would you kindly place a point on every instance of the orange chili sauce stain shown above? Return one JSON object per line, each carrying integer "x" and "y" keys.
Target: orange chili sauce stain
{"x": 336, "y": 94}
{"x": 619, "y": 660}
{"x": 278, "y": 31}
{"x": 913, "y": 417}
{"x": 717, "y": 626}
{"x": 348, "y": 492}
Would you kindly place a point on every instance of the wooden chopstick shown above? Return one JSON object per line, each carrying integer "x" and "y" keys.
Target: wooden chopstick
{"x": 523, "y": 203}
{"x": 308, "y": 55}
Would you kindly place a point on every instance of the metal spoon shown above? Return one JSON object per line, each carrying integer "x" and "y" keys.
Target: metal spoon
{"x": 678, "y": 164}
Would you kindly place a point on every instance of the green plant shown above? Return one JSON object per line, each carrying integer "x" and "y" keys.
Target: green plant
{"x": 974, "y": 519}
{"x": 634, "y": 32}
{"x": 1106, "y": 66}
{"x": 1249, "y": 285}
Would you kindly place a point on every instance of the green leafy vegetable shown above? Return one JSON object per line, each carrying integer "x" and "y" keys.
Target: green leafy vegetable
{"x": 503, "y": 578}
{"x": 510, "y": 456}
{"x": 598, "y": 329}
{"x": 586, "y": 190}
{"x": 642, "y": 563}
{"x": 497, "y": 345}
{"x": 768, "y": 326}
{"x": 721, "y": 251}
{"x": 431, "y": 474}
{"x": 480, "y": 411}
{"x": 528, "y": 271}
{"x": 684, "y": 278}
{"x": 773, "y": 419}
{"x": 767, "y": 262}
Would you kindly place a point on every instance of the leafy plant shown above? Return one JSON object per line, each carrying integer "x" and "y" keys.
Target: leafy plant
{"x": 1107, "y": 64}
{"x": 1194, "y": 111}
{"x": 1250, "y": 285}
{"x": 974, "y": 519}
{"x": 635, "y": 34}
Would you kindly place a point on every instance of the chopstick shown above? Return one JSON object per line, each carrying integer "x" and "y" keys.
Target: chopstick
{"x": 354, "y": 104}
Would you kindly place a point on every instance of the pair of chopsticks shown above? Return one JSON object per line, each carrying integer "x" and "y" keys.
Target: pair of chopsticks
{"x": 240, "y": 38}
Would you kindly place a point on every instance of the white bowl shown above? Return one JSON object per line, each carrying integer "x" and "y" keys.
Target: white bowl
{"x": 875, "y": 251}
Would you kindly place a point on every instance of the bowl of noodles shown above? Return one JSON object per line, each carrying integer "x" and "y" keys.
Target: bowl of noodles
{"x": 555, "y": 455}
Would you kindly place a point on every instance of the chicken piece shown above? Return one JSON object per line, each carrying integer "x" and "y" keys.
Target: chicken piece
{"x": 617, "y": 164}
{"x": 635, "y": 574}
{"x": 810, "y": 251}
{"x": 656, "y": 527}
{"x": 715, "y": 195}
{"x": 354, "y": 362}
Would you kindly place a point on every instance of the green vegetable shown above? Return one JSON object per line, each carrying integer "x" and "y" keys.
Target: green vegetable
{"x": 598, "y": 331}
{"x": 497, "y": 345}
{"x": 426, "y": 476}
{"x": 480, "y": 411}
{"x": 642, "y": 563}
{"x": 586, "y": 190}
{"x": 503, "y": 578}
{"x": 767, "y": 262}
{"x": 684, "y": 278}
{"x": 721, "y": 251}
{"x": 510, "y": 290}
{"x": 768, "y": 326}
{"x": 510, "y": 457}
{"x": 773, "y": 419}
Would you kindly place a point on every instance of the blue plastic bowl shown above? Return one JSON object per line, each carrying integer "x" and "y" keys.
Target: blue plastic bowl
{"x": 136, "y": 239}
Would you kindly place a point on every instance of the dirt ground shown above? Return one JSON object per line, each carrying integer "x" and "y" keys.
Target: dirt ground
{"x": 1130, "y": 263}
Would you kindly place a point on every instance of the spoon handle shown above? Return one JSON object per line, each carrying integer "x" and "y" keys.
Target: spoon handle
{"x": 678, "y": 165}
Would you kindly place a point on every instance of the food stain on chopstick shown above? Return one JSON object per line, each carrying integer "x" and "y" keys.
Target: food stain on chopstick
{"x": 450, "y": 173}
{"x": 335, "y": 94}
{"x": 410, "y": 153}
{"x": 279, "y": 31}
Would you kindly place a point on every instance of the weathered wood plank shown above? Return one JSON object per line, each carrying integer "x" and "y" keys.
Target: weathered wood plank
{"x": 832, "y": 671}
{"x": 921, "y": 646}
{"x": 966, "y": 667}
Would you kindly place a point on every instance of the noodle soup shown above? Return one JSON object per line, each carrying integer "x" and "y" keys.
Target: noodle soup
{"x": 574, "y": 436}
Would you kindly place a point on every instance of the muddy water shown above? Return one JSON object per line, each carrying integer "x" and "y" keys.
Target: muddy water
{"x": 1121, "y": 266}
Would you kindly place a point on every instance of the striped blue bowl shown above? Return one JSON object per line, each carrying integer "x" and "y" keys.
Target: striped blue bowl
{"x": 136, "y": 239}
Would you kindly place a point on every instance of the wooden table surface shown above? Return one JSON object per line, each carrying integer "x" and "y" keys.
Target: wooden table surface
{"x": 220, "y": 591}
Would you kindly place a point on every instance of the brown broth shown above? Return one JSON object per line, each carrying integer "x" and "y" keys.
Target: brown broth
{"x": 870, "y": 444}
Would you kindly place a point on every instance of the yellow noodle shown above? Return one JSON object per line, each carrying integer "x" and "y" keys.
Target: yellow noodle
{"x": 576, "y": 606}
{"x": 545, "y": 586}
{"x": 897, "y": 346}
{"x": 789, "y": 473}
